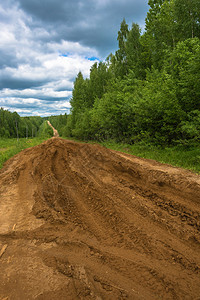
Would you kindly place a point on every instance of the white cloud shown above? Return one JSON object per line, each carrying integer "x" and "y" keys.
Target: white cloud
{"x": 69, "y": 47}
{"x": 46, "y": 65}
{"x": 41, "y": 51}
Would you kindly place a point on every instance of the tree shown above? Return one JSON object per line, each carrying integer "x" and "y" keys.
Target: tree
{"x": 160, "y": 30}
{"x": 184, "y": 66}
{"x": 134, "y": 49}
{"x": 78, "y": 95}
{"x": 121, "y": 54}
{"x": 149, "y": 89}
{"x": 158, "y": 112}
{"x": 187, "y": 15}
{"x": 99, "y": 76}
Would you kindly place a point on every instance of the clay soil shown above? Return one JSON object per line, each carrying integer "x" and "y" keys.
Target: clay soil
{"x": 79, "y": 221}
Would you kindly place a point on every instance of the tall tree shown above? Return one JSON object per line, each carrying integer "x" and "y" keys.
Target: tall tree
{"x": 187, "y": 14}
{"x": 79, "y": 99}
{"x": 121, "y": 55}
{"x": 183, "y": 65}
{"x": 98, "y": 79}
{"x": 160, "y": 29}
{"x": 133, "y": 49}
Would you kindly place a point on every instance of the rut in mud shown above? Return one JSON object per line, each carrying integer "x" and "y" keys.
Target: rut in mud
{"x": 79, "y": 221}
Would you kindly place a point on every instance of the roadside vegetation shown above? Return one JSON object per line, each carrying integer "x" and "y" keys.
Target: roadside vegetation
{"x": 45, "y": 131}
{"x": 12, "y": 146}
{"x": 179, "y": 156}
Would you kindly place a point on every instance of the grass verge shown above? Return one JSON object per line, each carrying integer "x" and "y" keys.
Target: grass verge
{"x": 179, "y": 156}
{"x": 10, "y": 147}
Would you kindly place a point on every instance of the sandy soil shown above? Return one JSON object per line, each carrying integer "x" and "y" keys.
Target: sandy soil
{"x": 55, "y": 132}
{"x": 79, "y": 221}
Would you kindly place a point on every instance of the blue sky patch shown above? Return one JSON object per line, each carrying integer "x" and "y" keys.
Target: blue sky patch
{"x": 64, "y": 54}
{"x": 93, "y": 58}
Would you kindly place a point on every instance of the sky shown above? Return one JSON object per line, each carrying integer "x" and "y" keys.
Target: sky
{"x": 45, "y": 43}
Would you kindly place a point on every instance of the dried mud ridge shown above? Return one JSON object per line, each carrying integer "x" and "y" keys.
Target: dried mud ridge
{"x": 79, "y": 221}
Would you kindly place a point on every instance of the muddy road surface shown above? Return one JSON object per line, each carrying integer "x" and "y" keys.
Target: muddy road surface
{"x": 79, "y": 221}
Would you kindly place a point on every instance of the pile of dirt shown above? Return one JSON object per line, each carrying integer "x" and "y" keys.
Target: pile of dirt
{"x": 79, "y": 221}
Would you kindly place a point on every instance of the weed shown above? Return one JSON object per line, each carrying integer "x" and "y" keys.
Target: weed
{"x": 10, "y": 147}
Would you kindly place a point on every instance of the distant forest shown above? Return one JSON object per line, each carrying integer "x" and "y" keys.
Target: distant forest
{"x": 14, "y": 126}
{"x": 148, "y": 90}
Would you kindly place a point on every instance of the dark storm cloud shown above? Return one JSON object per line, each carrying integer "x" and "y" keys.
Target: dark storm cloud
{"x": 51, "y": 10}
{"x": 77, "y": 11}
{"x": 93, "y": 23}
{"x": 19, "y": 84}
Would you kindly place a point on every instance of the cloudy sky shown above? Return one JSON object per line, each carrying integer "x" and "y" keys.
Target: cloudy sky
{"x": 45, "y": 43}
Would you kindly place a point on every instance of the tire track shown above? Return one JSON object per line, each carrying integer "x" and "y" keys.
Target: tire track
{"x": 100, "y": 224}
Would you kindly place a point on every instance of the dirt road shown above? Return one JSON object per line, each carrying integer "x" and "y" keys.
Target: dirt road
{"x": 79, "y": 221}
{"x": 55, "y": 132}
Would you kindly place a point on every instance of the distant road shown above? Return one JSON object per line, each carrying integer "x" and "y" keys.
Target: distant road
{"x": 55, "y": 132}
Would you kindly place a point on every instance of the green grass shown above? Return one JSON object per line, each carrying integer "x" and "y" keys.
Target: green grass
{"x": 179, "y": 156}
{"x": 10, "y": 147}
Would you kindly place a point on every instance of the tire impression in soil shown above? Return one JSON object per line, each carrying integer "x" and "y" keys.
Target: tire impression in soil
{"x": 79, "y": 221}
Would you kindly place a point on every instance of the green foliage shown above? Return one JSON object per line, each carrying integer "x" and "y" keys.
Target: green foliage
{"x": 82, "y": 128}
{"x": 158, "y": 112}
{"x": 59, "y": 123}
{"x": 190, "y": 129}
{"x": 148, "y": 91}
{"x": 121, "y": 54}
{"x": 113, "y": 115}
{"x": 12, "y": 125}
{"x": 188, "y": 158}
{"x": 187, "y": 16}
{"x": 183, "y": 64}
{"x": 10, "y": 147}
{"x": 45, "y": 131}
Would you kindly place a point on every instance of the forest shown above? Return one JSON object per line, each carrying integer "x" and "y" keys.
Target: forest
{"x": 14, "y": 126}
{"x": 147, "y": 91}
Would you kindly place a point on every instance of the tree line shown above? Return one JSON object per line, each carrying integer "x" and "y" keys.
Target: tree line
{"x": 149, "y": 88}
{"x": 14, "y": 126}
